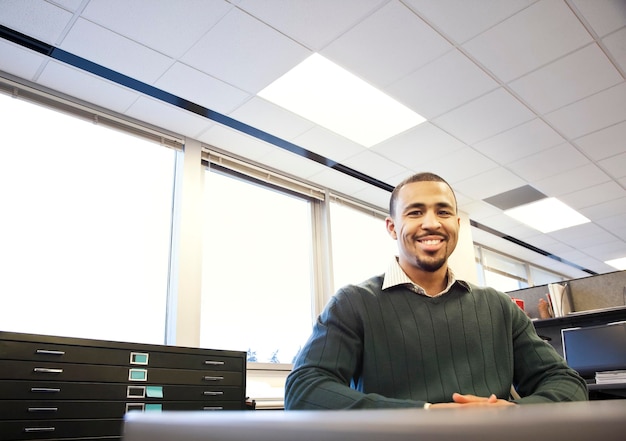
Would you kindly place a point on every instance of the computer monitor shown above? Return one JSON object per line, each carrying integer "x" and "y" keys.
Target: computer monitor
{"x": 595, "y": 348}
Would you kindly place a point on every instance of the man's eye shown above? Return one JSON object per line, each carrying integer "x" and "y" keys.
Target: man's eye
{"x": 414, "y": 213}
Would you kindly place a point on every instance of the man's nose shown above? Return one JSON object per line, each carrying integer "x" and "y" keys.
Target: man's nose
{"x": 430, "y": 220}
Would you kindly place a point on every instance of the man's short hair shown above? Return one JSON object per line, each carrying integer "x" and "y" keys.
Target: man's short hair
{"x": 418, "y": 177}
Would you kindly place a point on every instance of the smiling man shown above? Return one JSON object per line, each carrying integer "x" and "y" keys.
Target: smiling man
{"x": 418, "y": 337}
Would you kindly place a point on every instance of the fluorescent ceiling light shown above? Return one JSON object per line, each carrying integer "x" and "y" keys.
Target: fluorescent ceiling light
{"x": 328, "y": 95}
{"x": 620, "y": 263}
{"x": 547, "y": 215}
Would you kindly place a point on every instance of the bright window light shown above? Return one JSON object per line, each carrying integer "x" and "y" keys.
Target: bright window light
{"x": 332, "y": 97}
{"x": 547, "y": 215}
{"x": 620, "y": 263}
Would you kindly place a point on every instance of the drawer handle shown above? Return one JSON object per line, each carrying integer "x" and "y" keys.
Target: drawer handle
{"x": 38, "y": 429}
{"x": 210, "y": 378}
{"x": 49, "y": 352}
{"x": 212, "y": 393}
{"x": 214, "y": 363}
{"x": 48, "y": 371}
{"x": 43, "y": 409}
{"x": 212, "y": 408}
{"x": 45, "y": 389}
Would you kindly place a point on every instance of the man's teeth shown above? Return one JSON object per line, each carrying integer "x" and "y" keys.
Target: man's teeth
{"x": 431, "y": 241}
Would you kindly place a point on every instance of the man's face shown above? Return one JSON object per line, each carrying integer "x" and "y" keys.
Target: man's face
{"x": 425, "y": 224}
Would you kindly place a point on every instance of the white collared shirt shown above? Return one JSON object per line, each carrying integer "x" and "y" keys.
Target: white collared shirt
{"x": 395, "y": 276}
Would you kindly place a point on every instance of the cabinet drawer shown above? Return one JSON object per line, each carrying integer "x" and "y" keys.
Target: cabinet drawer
{"x": 31, "y": 370}
{"x": 19, "y": 346}
{"x": 65, "y": 353}
{"x": 59, "y": 390}
{"x": 60, "y": 410}
{"x": 54, "y": 429}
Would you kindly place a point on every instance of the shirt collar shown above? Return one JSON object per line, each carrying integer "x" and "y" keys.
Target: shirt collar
{"x": 395, "y": 276}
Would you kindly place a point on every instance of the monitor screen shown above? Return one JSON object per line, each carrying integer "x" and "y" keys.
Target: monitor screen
{"x": 595, "y": 348}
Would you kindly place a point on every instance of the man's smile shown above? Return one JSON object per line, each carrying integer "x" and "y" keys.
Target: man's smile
{"x": 431, "y": 243}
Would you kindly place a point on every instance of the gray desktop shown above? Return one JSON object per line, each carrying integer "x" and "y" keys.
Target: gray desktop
{"x": 579, "y": 421}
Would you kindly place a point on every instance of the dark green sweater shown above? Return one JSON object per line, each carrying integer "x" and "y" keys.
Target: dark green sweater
{"x": 395, "y": 348}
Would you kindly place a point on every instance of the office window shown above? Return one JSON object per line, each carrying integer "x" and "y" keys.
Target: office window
{"x": 543, "y": 277}
{"x": 257, "y": 280}
{"x": 361, "y": 246}
{"x": 502, "y": 272}
{"x": 85, "y": 227}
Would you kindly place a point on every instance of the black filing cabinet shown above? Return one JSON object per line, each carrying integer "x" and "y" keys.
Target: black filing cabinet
{"x": 77, "y": 389}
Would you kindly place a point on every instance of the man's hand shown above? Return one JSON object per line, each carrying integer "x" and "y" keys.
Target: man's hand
{"x": 471, "y": 401}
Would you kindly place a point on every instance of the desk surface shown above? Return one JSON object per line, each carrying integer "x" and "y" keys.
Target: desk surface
{"x": 582, "y": 421}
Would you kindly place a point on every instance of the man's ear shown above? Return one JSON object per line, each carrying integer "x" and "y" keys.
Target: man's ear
{"x": 391, "y": 227}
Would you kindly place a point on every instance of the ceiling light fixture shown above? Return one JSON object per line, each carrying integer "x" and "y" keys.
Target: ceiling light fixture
{"x": 547, "y": 215}
{"x": 326, "y": 94}
{"x": 620, "y": 263}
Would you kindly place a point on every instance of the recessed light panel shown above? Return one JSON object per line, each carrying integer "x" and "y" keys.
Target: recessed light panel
{"x": 547, "y": 215}
{"x": 620, "y": 263}
{"x": 328, "y": 95}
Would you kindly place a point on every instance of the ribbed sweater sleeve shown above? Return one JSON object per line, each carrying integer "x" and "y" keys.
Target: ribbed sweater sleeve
{"x": 395, "y": 349}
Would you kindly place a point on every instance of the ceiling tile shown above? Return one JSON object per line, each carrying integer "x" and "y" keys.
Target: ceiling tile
{"x": 459, "y": 165}
{"x": 592, "y": 195}
{"x": 256, "y": 53}
{"x": 523, "y": 140}
{"x": 462, "y": 20}
{"x": 615, "y": 44}
{"x": 24, "y": 63}
{"x": 387, "y": 45}
{"x": 38, "y": 19}
{"x": 568, "y": 79}
{"x": 489, "y": 183}
{"x": 615, "y": 166}
{"x": 593, "y": 113}
{"x": 87, "y": 87}
{"x": 235, "y": 142}
{"x": 200, "y": 88}
{"x": 605, "y": 142}
{"x": 548, "y": 163}
{"x": 270, "y": 118}
{"x": 169, "y": 117}
{"x": 374, "y": 196}
{"x": 279, "y": 159}
{"x": 374, "y": 165}
{"x": 501, "y": 222}
{"x": 158, "y": 24}
{"x": 484, "y": 117}
{"x": 571, "y": 180}
{"x": 313, "y": 23}
{"x": 609, "y": 250}
{"x": 419, "y": 145}
{"x": 442, "y": 85}
{"x": 333, "y": 179}
{"x": 395, "y": 180}
{"x": 477, "y": 210}
{"x": 605, "y": 207}
{"x": 70, "y": 5}
{"x": 603, "y": 16}
{"x": 328, "y": 144}
{"x": 535, "y": 36}
{"x": 583, "y": 236}
{"x": 101, "y": 46}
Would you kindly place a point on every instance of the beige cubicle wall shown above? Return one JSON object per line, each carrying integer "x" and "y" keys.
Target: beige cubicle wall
{"x": 587, "y": 294}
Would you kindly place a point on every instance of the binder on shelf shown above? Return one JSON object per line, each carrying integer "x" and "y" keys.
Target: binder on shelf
{"x": 559, "y": 298}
